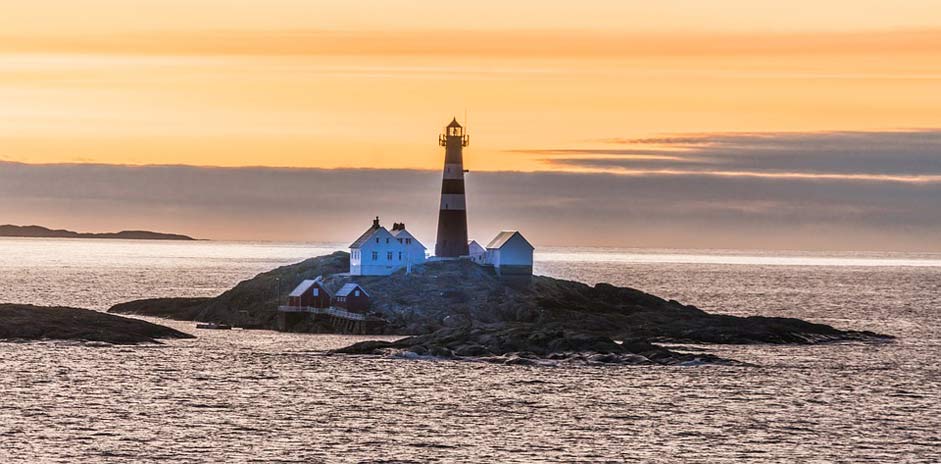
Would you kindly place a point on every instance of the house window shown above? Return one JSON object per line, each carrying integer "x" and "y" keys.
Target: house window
{"x": 375, "y": 256}
{"x": 400, "y": 256}
{"x": 356, "y": 293}
{"x": 408, "y": 241}
{"x": 387, "y": 240}
{"x": 389, "y": 256}
{"x": 377, "y": 239}
{"x": 316, "y": 292}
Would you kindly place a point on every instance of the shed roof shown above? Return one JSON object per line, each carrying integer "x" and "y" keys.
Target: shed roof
{"x": 503, "y": 237}
{"x": 348, "y": 288}
{"x": 305, "y": 285}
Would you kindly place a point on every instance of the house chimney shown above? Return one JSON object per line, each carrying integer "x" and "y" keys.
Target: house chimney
{"x": 375, "y": 223}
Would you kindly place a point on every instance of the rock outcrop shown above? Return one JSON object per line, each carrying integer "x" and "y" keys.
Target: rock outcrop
{"x": 251, "y": 304}
{"x": 529, "y": 344}
{"x": 27, "y": 322}
{"x": 178, "y": 309}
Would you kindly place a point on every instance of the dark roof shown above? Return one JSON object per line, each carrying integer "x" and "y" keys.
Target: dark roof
{"x": 348, "y": 288}
{"x": 365, "y": 237}
{"x": 454, "y": 123}
{"x": 504, "y": 237}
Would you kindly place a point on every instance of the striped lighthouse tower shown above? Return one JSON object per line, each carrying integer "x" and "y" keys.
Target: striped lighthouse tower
{"x": 452, "y": 217}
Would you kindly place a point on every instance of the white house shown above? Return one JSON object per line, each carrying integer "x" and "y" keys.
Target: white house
{"x": 477, "y": 252}
{"x": 510, "y": 253}
{"x": 379, "y": 252}
{"x": 415, "y": 250}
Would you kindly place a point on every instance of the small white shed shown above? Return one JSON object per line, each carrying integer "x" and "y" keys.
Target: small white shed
{"x": 510, "y": 253}
{"x": 477, "y": 252}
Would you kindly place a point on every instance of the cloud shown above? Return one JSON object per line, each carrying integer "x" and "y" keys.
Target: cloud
{"x": 690, "y": 210}
{"x": 485, "y": 43}
{"x": 886, "y": 156}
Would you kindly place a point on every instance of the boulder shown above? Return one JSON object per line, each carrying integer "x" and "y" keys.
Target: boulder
{"x": 471, "y": 350}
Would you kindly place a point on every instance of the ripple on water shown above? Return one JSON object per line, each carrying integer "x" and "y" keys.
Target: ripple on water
{"x": 254, "y": 396}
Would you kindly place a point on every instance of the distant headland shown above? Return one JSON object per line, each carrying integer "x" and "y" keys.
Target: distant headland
{"x": 9, "y": 230}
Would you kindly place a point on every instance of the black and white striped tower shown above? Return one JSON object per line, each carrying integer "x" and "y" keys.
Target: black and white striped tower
{"x": 452, "y": 217}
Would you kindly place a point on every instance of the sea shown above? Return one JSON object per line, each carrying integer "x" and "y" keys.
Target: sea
{"x": 268, "y": 397}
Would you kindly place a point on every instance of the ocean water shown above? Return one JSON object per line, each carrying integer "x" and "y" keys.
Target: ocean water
{"x": 259, "y": 396}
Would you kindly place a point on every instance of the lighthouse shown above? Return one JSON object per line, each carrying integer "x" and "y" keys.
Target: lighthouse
{"x": 452, "y": 215}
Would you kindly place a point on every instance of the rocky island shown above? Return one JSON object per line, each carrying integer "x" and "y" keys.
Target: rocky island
{"x": 28, "y": 322}
{"x": 459, "y": 309}
{"x": 9, "y": 230}
{"x": 472, "y": 302}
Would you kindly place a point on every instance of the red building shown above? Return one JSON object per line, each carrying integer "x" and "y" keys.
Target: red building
{"x": 353, "y": 298}
{"x": 311, "y": 293}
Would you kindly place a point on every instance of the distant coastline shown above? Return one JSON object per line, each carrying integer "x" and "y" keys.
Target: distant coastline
{"x": 10, "y": 230}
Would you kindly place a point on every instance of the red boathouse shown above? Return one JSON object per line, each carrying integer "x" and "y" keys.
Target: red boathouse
{"x": 353, "y": 298}
{"x": 310, "y": 293}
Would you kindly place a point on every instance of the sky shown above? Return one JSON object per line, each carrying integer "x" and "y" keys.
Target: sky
{"x": 762, "y": 123}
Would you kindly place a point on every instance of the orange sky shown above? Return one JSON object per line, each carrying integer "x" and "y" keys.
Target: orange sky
{"x": 369, "y": 84}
